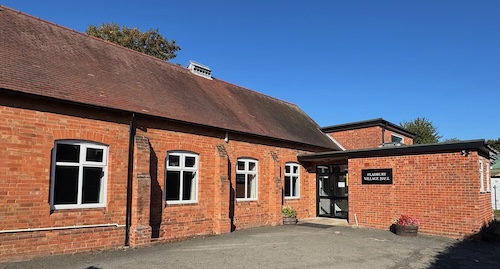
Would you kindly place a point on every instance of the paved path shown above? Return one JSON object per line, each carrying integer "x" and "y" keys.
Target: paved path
{"x": 295, "y": 246}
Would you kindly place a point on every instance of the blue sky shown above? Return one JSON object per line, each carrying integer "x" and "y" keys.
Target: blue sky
{"x": 340, "y": 61}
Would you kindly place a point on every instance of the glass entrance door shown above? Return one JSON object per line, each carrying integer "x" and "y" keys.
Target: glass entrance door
{"x": 332, "y": 191}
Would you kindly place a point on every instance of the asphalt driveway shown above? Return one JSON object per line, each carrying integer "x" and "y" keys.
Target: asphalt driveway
{"x": 296, "y": 246}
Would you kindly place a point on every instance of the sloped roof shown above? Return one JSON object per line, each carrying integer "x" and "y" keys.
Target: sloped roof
{"x": 41, "y": 58}
{"x": 495, "y": 167}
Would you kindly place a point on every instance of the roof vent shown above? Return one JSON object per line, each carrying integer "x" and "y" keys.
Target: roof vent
{"x": 200, "y": 70}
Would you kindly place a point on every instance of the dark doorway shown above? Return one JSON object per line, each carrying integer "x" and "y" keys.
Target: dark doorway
{"x": 332, "y": 191}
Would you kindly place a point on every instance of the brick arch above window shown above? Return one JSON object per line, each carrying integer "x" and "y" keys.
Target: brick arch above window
{"x": 182, "y": 146}
{"x": 87, "y": 135}
{"x": 81, "y": 141}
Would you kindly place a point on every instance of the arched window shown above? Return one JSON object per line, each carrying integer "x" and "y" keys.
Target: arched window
{"x": 246, "y": 179}
{"x": 292, "y": 180}
{"x": 79, "y": 175}
{"x": 181, "y": 181}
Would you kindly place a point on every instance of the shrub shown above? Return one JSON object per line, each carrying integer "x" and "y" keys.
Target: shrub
{"x": 288, "y": 212}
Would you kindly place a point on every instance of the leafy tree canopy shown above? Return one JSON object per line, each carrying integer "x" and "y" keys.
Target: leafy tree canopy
{"x": 494, "y": 143}
{"x": 425, "y": 132}
{"x": 149, "y": 42}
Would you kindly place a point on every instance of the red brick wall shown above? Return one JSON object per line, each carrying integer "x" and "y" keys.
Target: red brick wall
{"x": 29, "y": 128}
{"x": 370, "y": 137}
{"x": 186, "y": 220}
{"x": 26, "y": 142}
{"x": 406, "y": 140}
{"x": 441, "y": 190}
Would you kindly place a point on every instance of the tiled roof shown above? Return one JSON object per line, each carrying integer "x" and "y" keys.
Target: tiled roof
{"x": 496, "y": 165}
{"x": 41, "y": 58}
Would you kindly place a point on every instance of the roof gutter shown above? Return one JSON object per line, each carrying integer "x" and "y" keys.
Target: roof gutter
{"x": 294, "y": 142}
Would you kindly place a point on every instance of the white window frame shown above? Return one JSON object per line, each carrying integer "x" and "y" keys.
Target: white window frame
{"x": 81, "y": 164}
{"x": 398, "y": 136}
{"x": 481, "y": 176}
{"x": 246, "y": 171}
{"x": 181, "y": 169}
{"x": 488, "y": 179}
{"x": 290, "y": 176}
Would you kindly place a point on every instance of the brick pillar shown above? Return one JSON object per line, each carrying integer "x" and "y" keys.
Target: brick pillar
{"x": 222, "y": 200}
{"x": 140, "y": 229}
{"x": 275, "y": 191}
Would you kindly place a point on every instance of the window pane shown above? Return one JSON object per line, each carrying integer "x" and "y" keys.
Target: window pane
{"x": 324, "y": 186}
{"x": 66, "y": 185}
{"x": 190, "y": 161}
{"x": 240, "y": 165}
{"x": 240, "y": 186}
{"x": 91, "y": 185}
{"x": 94, "y": 155}
{"x": 188, "y": 185}
{"x": 67, "y": 153}
{"x": 295, "y": 169}
{"x": 174, "y": 160}
{"x": 295, "y": 186}
{"x": 396, "y": 139}
{"x": 173, "y": 185}
{"x": 251, "y": 188}
{"x": 287, "y": 186}
{"x": 251, "y": 166}
{"x": 287, "y": 168}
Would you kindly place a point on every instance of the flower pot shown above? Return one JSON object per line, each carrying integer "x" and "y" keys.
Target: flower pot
{"x": 410, "y": 230}
{"x": 289, "y": 220}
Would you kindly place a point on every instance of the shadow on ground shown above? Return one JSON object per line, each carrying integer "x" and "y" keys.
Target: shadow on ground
{"x": 480, "y": 250}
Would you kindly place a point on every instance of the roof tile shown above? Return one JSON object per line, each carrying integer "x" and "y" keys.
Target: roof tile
{"x": 41, "y": 58}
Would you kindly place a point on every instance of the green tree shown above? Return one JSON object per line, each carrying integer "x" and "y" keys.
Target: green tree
{"x": 425, "y": 132}
{"x": 149, "y": 42}
{"x": 494, "y": 143}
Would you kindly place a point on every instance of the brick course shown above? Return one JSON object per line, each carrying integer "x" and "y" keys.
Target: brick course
{"x": 369, "y": 137}
{"x": 441, "y": 190}
{"x": 29, "y": 128}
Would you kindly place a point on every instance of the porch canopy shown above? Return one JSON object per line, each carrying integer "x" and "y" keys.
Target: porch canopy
{"x": 342, "y": 156}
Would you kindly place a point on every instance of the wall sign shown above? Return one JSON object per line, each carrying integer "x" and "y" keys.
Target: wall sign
{"x": 376, "y": 176}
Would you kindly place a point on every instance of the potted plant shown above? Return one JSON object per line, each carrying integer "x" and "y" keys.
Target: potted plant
{"x": 289, "y": 215}
{"x": 406, "y": 225}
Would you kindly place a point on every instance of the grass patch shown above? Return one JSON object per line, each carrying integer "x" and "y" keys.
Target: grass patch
{"x": 497, "y": 214}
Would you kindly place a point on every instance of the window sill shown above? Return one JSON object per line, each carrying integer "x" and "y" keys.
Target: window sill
{"x": 77, "y": 207}
{"x": 246, "y": 200}
{"x": 292, "y": 198}
{"x": 180, "y": 203}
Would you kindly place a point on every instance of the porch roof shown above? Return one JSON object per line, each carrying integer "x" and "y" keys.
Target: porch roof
{"x": 469, "y": 145}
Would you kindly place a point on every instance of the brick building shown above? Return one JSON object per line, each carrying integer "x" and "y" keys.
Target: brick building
{"x": 104, "y": 147}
